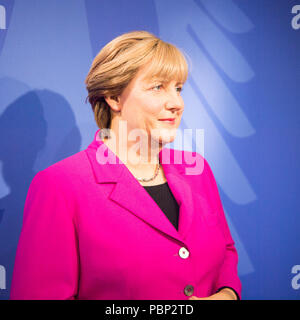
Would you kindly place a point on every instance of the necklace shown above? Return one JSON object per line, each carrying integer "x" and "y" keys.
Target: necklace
{"x": 153, "y": 177}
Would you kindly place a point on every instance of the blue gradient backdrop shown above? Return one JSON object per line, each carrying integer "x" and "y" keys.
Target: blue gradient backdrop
{"x": 243, "y": 90}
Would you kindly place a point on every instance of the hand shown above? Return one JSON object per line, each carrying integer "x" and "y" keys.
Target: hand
{"x": 224, "y": 294}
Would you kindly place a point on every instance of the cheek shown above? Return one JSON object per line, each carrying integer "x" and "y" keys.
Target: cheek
{"x": 144, "y": 117}
{"x": 143, "y": 111}
{"x": 151, "y": 111}
{"x": 153, "y": 106}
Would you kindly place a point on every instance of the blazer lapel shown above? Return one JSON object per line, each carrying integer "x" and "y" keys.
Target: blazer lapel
{"x": 130, "y": 194}
{"x": 133, "y": 197}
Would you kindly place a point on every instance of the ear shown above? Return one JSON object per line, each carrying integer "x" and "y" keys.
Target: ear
{"x": 114, "y": 103}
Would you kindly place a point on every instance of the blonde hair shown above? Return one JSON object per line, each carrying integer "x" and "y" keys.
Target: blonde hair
{"x": 120, "y": 60}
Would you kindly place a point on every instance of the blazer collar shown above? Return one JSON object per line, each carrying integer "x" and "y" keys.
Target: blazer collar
{"x": 131, "y": 195}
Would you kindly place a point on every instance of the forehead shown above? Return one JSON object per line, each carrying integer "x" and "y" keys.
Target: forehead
{"x": 150, "y": 73}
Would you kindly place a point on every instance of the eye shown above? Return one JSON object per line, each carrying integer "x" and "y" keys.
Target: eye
{"x": 179, "y": 89}
{"x": 157, "y": 87}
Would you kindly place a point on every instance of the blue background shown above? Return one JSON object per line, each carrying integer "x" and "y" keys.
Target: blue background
{"x": 243, "y": 90}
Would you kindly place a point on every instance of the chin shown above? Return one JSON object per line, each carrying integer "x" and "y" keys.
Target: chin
{"x": 165, "y": 136}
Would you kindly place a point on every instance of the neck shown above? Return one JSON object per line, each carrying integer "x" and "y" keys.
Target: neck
{"x": 141, "y": 154}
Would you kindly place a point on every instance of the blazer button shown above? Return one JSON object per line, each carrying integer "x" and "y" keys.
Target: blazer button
{"x": 184, "y": 253}
{"x": 189, "y": 290}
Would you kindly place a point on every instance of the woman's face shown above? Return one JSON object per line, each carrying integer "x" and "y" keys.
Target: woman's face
{"x": 147, "y": 103}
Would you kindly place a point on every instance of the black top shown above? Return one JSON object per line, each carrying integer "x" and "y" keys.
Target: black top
{"x": 164, "y": 198}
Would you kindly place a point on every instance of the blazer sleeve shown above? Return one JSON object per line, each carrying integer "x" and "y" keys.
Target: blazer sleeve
{"x": 46, "y": 263}
{"x": 228, "y": 275}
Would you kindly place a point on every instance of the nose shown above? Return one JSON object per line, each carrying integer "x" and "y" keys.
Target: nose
{"x": 174, "y": 102}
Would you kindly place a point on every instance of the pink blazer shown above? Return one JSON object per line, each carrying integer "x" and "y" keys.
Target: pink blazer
{"x": 91, "y": 231}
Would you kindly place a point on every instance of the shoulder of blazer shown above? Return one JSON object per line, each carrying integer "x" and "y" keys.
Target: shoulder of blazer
{"x": 70, "y": 170}
{"x": 188, "y": 163}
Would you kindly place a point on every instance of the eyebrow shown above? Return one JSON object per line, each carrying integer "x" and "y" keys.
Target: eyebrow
{"x": 158, "y": 79}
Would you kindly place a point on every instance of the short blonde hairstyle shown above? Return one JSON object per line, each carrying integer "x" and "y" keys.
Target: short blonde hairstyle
{"x": 119, "y": 61}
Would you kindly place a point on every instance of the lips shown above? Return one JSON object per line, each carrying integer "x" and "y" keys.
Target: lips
{"x": 168, "y": 119}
